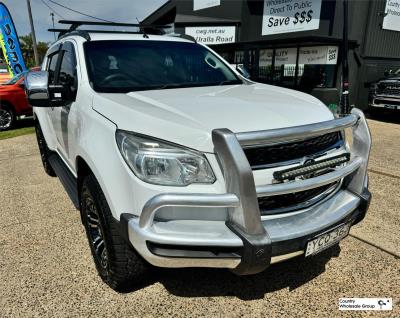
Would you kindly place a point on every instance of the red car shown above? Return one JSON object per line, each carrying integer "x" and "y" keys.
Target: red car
{"x": 13, "y": 102}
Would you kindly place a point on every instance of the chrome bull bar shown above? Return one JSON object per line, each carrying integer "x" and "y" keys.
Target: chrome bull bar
{"x": 242, "y": 193}
{"x": 294, "y": 133}
{"x": 241, "y": 199}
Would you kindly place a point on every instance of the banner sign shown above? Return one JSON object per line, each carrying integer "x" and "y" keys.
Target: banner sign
{"x": 286, "y": 16}
{"x": 203, "y": 4}
{"x": 212, "y": 35}
{"x": 285, "y": 56}
{"x": 391, "y": 21}
{"x": 9, "y": 43}
{"x": 318, "y": 55}
{"x": 265, "y": 57}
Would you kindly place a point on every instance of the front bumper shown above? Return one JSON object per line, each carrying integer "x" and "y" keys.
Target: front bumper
{"x": 389, "y": 102}
{"x": 248, "y": 242}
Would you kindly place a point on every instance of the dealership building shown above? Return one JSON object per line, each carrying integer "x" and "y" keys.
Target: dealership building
{"x": 294, "y": 43}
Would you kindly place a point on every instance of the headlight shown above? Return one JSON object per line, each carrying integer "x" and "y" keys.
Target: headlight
{"x": 158, "y": 162}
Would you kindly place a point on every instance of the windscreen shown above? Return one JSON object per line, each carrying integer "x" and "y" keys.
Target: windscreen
{"x": 124, "y": 66}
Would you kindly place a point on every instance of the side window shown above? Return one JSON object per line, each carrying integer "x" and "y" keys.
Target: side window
{"x": 51, "y": 67}
{"x": 68, "y": 74}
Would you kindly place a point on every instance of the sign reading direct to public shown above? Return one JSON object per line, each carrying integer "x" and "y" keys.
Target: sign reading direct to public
{"x": 391, "y": 21}
{"x": 286, "y": 16}
{"x": 212, "y": 35}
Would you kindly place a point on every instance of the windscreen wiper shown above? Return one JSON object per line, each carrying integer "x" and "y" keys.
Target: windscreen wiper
{"x": 230, "y": 82}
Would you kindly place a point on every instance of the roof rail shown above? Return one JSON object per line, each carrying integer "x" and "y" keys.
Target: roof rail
{"x": 183, "y": 36}
{"x": 74, "y": 25}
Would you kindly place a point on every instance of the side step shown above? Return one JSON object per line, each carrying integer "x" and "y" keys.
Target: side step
{"x": 67, "y": 179}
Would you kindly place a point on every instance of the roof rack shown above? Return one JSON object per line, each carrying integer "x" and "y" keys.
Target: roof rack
{"x": 74, "y": 25}
{"x": 65, "y": 32}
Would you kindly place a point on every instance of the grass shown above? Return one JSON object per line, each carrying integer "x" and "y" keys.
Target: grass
{"x": 22, "y": 127}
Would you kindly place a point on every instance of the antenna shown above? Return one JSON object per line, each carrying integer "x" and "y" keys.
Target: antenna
{"x": 144, "y": 32}
{"x": 52, "y": 19}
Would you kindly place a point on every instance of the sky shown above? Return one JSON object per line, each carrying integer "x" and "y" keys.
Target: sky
{"x": 113, "y": 10}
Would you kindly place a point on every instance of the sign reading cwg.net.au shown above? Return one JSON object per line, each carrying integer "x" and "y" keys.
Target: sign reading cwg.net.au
{"x": 285, "y": 16}
{"x": 212, "y": 34}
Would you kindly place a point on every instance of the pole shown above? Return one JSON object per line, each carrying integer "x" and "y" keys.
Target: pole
{"x": 35, "y": 51}
{"x": 344, "y": 98}
{"x": 52, "y": 19}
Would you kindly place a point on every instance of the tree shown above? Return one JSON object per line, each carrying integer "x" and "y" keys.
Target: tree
{"x": 27, "y": 50}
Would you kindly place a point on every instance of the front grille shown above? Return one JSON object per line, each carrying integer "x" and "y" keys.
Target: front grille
{"x": 387, "y": 102}
{"x": 392, "y": 89}
{"x": 270, "y": 155}
{"x": 294, "y": 201}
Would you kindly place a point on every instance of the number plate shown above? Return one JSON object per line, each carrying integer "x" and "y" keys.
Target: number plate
{"x": 327, "y": 239}
{"x": 392, "y": 107}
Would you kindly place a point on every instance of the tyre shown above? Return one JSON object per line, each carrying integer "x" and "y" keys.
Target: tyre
{"x": 44, "y": 150}
{"x": 117, "y": 263}
{"x": 7, "y": 117}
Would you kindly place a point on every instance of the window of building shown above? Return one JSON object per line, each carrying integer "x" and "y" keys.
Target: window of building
{"x": 285, "y": 67}
{"x": 265, "y": 64}
{"x": 303, "y": 68}
{"x": 239, "y": 57}
{"x": 317, "y": 67}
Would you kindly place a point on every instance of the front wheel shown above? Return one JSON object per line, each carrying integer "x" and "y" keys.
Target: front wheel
{"x": 7, "y": 117}
{"x": 117, "y": 263}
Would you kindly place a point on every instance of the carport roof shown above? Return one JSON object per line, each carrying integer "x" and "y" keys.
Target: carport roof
{"x": 189, "y": 19}
{"x": 166, "y": 14}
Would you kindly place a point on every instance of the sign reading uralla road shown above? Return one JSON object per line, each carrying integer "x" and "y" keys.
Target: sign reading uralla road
{"x": 212, "y": 34}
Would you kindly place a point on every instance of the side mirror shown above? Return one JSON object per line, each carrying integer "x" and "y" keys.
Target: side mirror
{"x": 40, "y": 93}
{"x": 242, "y": 70}
{"x": 387, "y": 73}
{"x": 37, "y": 88}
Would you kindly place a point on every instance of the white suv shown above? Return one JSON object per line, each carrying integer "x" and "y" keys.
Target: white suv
{"x": 174, "y": 159}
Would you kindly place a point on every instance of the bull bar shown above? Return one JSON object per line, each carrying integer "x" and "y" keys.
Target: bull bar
{"x": 250, "y": 239}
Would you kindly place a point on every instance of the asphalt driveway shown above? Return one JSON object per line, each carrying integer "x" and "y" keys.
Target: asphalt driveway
{"x": 46, "y": 268}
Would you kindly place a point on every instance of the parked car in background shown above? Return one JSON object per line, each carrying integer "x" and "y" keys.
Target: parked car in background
{"x": 4, "y": 74}
{"x": 13, "y": 102}
{"x": 385, "y": 93}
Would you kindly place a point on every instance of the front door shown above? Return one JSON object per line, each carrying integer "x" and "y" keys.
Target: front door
{"x": 68, "y": 78}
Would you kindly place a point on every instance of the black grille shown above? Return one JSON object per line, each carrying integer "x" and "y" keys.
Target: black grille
{"x": 273, "y": 154}
{"x": 291, "y": 201}
{"x": 388, "y": 89}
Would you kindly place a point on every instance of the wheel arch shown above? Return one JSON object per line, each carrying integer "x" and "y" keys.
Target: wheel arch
{"x": 82, "y": 170}
{"x": 9, "y": 104}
